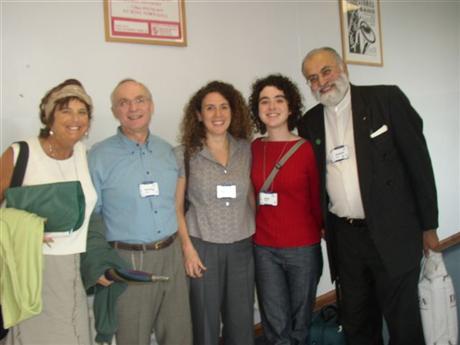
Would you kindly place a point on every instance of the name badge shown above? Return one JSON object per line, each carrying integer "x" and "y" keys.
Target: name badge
{"x": 269, "y": 199}
{"x": 57, "y": 235}
{"x": 226, "y": 191}
{"x": 148, "y": 189}
{"x": 339, "y": 153}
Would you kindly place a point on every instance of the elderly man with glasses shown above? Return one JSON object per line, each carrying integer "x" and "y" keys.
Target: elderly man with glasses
{"x": 378, "y": 198}
{"x": 135, "y": 173}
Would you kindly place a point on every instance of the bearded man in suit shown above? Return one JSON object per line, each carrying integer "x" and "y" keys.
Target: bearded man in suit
{"x": 378, "y": 198}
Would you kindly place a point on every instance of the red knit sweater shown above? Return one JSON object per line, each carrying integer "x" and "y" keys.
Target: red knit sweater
{"x": 297, "y": 220}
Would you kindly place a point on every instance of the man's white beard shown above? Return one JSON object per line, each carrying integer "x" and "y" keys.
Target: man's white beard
{"x": 336, "y": 94}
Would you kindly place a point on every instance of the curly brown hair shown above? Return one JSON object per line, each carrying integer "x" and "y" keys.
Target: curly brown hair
{"x": 60, "y": 104}
{"x": 193, "y": 133}
{"x": 291, "y": 92}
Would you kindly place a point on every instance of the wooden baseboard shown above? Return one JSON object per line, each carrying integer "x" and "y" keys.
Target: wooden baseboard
{"x": 258, "y": 330}
{"x": 449, "y": 242}
{"x": 325, "y": 299}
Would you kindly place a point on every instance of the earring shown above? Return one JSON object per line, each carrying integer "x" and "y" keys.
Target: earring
{"x": 86, "y": 134}
{"x": 51, "y": 132}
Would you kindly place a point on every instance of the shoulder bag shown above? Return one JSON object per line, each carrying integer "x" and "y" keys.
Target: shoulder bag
{"x": 438, "y": 306}
{"x": 325, "y": 328}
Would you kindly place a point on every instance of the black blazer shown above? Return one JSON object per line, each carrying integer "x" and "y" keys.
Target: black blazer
{"x": 395, "y": 173}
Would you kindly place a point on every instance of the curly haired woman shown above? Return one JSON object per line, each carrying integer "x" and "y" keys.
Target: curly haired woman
{"x": 215, "y": 162}
{"x": 287, "y": 251}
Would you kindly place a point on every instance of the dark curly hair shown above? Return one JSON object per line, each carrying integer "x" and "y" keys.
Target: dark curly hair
{"x": 193, "y": 132}
{"x": 60, "y": 104}
{"x": 291, "y": 92}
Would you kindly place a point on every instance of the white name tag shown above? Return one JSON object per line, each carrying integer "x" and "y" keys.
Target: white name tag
{"x": 57, "y": 235}
{"x": 226, "y": 191}
{"x": 339, "y": 153}
{"x": 270, "y": 199}
{"x": 148, "y": 189}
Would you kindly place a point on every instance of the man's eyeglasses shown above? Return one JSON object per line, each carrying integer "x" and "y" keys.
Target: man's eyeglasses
{"x": 139, "y": 101}
{"x": 313, "y": 80}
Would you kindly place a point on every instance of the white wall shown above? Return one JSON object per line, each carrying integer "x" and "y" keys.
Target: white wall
{"x": 458, "y": 126}
{"x": 44, "y": 43}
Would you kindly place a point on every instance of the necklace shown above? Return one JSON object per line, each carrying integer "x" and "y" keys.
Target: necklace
{"x": 59, "y": 162}
{"x": 220, "y": 154}
{"x": 50, "y": 150}
{"x": 53, "y": 153}
{"x": 276, "y": 162}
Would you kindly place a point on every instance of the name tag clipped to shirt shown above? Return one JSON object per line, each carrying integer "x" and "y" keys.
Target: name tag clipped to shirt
{"x": 148, "y": 189}
{"x": 268, "y": 199}
{"x": 226, "y": 191}
{"x": 339, "y": 153}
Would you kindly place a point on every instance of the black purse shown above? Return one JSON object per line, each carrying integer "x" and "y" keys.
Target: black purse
{"x": 325, "y": 328}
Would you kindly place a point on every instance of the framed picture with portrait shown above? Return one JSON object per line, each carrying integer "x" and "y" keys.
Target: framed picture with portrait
{"x": 148, "y": 22}
{"x": 361, "y": 32}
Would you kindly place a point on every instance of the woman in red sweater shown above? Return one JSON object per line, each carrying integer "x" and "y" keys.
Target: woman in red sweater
{"x": 288, "y": 258}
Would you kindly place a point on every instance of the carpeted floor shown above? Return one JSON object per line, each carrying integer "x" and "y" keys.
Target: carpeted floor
{"x": 260, "y": 340}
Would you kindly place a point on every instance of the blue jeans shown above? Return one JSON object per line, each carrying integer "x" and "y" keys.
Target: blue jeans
{"x": 286, "y": 280}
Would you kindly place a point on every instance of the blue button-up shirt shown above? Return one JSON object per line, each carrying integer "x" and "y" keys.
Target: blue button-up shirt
{"x": 118, "y": 167}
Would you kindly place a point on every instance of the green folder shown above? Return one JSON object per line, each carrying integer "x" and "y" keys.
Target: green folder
{"x": 61, "y": 203}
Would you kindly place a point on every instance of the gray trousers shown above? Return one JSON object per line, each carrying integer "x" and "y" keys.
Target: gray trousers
{"x": 224, "y": 294}
{"x": 160, "y": 307}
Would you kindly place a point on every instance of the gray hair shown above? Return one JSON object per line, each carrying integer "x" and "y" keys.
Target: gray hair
{"x": 330, "y": 50}
{"x": 127, "y": 80}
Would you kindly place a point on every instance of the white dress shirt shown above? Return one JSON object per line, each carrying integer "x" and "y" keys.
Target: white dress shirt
{"x": 342, "y": 182}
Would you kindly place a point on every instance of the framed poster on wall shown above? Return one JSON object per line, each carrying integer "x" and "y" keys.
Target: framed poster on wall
{"x": 361, "y": 32}
{"x": 148, "y": 22}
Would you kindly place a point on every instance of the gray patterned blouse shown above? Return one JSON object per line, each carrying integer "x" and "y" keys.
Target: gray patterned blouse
{"x": 212, "y": 219}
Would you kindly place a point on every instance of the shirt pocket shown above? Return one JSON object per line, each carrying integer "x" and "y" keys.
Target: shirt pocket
{"x": 383, "y": 143}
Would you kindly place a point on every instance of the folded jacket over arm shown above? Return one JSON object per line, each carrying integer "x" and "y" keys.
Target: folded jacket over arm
{"x": 21, "y": 236}
{"x": 99, "y": 257}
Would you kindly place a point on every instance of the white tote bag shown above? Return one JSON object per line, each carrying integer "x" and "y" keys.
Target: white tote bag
{"x": 438, "y": 305}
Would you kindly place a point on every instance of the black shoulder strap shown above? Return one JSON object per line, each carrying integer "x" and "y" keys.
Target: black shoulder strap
{"x": 187, "y": 175}
{"x": 186, "y": 165}
{"x": 21, "y": 165}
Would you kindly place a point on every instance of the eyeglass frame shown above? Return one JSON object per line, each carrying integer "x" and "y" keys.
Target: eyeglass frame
{"x": 325, "y": 73}
{"x": 139, "y": 101}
